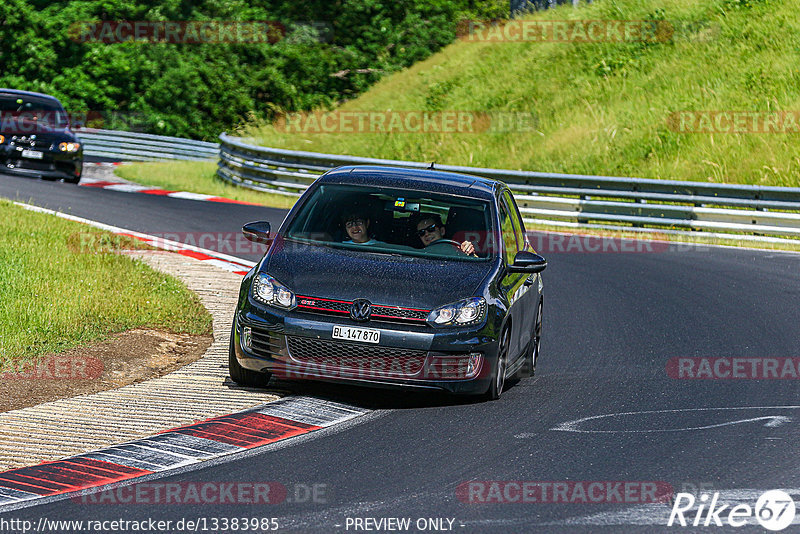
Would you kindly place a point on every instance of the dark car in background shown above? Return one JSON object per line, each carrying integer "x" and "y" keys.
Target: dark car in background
{"x": 393, "y": 307}
{"x": 36, "y": 139}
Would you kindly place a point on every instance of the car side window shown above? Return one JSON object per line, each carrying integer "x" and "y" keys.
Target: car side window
{"x": 516, "y": 220}
{"x": 507, "y": 231}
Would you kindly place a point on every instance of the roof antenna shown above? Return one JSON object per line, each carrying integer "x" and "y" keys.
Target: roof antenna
{"x": 431, "y": 167}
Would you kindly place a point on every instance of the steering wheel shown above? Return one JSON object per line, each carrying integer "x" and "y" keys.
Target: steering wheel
{"x": 446, "y": 242}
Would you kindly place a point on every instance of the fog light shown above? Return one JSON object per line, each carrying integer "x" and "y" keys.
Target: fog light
{"x": 474, "y": 364}
{"x": 453, "y": 367}
{"x": 247, "y": 337}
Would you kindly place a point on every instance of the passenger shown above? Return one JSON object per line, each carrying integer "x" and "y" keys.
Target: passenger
{"x": 430, "y": 229}
{"x": 356, "y": 224}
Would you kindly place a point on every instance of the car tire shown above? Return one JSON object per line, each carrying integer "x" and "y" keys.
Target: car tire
{"x": 498, "y": 376}
{"x": 240, "y": 375}
{"x": 76, "y": 179}
{"x": 528, "y": 368}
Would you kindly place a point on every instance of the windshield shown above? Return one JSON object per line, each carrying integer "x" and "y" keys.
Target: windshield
{"x": 395, "y": 221}
{"x": 27, "y": 114}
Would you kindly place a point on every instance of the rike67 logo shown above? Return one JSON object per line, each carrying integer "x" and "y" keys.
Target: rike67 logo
{"x": 774, "y": 510}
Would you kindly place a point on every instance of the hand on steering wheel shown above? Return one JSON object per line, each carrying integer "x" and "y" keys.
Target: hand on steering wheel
{"x": 466, "y": 247}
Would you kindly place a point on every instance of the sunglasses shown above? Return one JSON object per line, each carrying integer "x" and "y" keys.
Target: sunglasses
{"x": 427, "y": 229}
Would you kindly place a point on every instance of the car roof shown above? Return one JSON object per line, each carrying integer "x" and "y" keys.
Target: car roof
{"x": 17, "y": 92}
{"x": 419, "y": 179}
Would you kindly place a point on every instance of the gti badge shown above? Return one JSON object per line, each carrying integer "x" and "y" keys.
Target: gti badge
{"x": 360, "y": 310}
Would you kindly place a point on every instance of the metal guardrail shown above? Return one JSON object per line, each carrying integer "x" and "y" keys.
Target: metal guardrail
{"x": 131, "y": 146}
{"x": 551, "y": 198}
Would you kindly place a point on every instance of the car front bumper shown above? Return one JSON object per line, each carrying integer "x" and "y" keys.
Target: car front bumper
{"x": 300, "y": 346}
{"x": 54, "y": 164}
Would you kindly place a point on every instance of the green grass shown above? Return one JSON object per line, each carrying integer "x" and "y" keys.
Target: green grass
{"x": 63, "y": 286}
{"x": 603, "y": 108}
{"x": 197, "y": 177}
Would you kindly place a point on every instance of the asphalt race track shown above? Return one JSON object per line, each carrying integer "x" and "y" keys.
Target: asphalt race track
{"x": 613, "y": 322}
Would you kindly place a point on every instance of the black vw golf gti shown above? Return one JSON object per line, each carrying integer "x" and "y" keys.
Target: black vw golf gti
{"x": 36, "y": 139}
{"x": 393, "y": 277}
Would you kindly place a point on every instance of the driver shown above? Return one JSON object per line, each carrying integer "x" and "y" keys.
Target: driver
{"x": 356, "y": 224}
{"x": 430, "y": 229}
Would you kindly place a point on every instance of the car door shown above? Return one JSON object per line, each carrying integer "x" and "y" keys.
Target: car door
{"x": 512, "y": 285}
{"x": 528, "y": 298}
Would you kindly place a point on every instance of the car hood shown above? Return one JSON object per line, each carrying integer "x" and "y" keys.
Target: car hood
{"x": 345, "y": 274}
{"x": 43, "y": 133}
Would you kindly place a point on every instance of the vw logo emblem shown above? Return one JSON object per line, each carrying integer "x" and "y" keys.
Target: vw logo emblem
{"x": 360, "y": 310}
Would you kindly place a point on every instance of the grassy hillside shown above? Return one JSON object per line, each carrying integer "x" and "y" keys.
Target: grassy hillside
{"x": 603, "y": 108}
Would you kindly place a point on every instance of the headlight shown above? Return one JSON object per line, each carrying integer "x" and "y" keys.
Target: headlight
{"x": 463, "y": 312}
{"x": 269, "y": 291}
{"x": 2, "y": 139}
{"x": 69, "y": 147}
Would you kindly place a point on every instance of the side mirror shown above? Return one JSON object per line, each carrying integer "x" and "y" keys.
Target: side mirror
{"x": 257, "y": 232}
{"x": 527, "y": 262}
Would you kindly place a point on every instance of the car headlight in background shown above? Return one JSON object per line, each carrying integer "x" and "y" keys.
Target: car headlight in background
{"x": 269, "y": 291}
{"x": 464, "y": 312}
{"x": 2, "y": 139}
{"x": 69, "y": 147}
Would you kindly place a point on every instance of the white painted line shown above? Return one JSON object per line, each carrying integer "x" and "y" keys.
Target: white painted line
{"x": 195, "y": 446}
{"x": 127, "y": 188}
{"x": 189, "y": 196}
{"x": 574, "y": 426}
{"x": 312, "y": 411}
{"x": 8, "y": 495}
{"x": 138, "y": 445}
{"x": 226, "y": 265}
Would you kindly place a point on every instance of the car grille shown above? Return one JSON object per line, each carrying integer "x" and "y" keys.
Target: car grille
{"x": 399, "y": 313}
{"x": 323, "y": 305}
{"x": 380, "y": 312}
{"x": 28, "y": 142}
{"x": 34, "y": 165}
{"x": 265, "y": 344}
{"x": 334, "y": 357}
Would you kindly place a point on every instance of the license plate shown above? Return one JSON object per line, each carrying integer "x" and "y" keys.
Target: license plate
{"x": 32, "y": 154}
{"x": 348, "y": 333}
